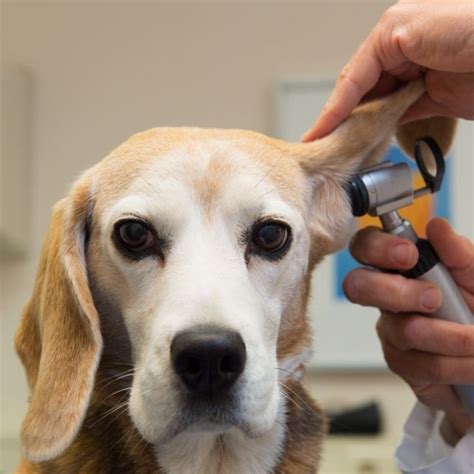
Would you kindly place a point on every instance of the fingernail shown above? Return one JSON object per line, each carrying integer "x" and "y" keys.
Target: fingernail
{"x": 352, "y": 288}
{"x": 305, "y": 135}
{"x": 401, "y": 253}
{"x": 430, "y": 299}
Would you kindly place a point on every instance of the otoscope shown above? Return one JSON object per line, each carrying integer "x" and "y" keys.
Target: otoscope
{"x": 383, "y": 189}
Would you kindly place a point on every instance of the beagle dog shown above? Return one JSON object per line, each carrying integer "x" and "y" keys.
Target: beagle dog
{"x": 167, "y": 330}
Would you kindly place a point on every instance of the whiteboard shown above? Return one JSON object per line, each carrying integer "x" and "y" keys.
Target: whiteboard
{"x": 344, "y": 333}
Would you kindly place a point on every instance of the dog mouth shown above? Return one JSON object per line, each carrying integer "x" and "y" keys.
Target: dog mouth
{"x": 214, "y": 413}
{"x": 216, "y": 416}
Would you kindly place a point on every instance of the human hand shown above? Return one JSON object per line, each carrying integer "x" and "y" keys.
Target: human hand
{"x": 430, "y": 38}
{"x": 429, "y": 354}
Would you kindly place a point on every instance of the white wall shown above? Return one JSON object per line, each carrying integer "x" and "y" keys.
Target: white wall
{"x": 103, "y": 70}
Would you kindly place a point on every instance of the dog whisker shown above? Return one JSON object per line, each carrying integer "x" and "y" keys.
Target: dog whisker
{"x": 145, "y": 444}
{"x": 125, "y": 437}
{"x": 111, "y": 411}
{"x": 122, "y": 364}
{"x": 305, "y": 406}
{"x": 110, "y": 380}
{"x": 289, "y": 372}
{"x": 126, "y": 389}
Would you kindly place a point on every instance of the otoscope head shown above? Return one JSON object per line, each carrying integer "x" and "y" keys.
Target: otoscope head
{"x": 358, "y": 196}
{"x": 387, "y": 187}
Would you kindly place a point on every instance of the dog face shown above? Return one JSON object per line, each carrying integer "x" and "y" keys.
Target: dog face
{"x": 199, "y": 243}
{"x": 201, "y": 253}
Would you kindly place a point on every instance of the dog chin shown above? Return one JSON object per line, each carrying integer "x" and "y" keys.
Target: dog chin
{"x": 209, "y": 427}
{"x": 203, "y": 428}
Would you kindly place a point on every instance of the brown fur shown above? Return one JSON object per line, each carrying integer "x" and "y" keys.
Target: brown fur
{"x": 77, "y": 420}
{"x": 60, "y": 315}
{"x": 112, "y": 445}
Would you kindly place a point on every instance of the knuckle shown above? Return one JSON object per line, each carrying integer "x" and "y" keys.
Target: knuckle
{"x": 392, "y": 359}
{"x": 391, "y": 12}
{"x": 426, "y": 394}
{"x": 394, "y": 30}
{"x": 388, "y": 18}
{"x": 401, "y": 295}
{"x": 386, "y": 26}
{"x": 438, "y": 370}
{"x": 409, "y": 333}
{"x": 465, "y": 342}
{"x": 394, "y": 364}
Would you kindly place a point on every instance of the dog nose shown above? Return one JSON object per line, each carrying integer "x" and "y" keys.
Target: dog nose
{"x": 208, "y": 360}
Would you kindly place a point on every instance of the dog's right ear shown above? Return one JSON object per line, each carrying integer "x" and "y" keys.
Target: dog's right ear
{"x": 59, "y": 339}
{"x": 359, "y": 142}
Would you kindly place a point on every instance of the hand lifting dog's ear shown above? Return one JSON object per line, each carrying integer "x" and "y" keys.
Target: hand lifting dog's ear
{"x": 59, "y": 339}
{"x": 358, "y": 143}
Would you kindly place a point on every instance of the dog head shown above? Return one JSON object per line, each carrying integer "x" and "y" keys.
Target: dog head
{"x": 199, "y": 245}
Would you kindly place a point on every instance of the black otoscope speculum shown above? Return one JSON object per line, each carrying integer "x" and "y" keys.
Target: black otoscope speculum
{"x": 383, "y": 189}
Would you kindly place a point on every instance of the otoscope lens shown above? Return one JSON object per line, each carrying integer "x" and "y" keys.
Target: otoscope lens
{"x": 358, "y": 196}
{"x": 430, "y": 161}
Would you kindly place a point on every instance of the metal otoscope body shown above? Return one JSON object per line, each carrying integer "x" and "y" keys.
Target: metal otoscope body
{"x": 385, "y": 188}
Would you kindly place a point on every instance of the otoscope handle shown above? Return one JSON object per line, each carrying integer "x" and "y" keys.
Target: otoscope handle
{"x": 453, "y": 308}
{"x": 429, "y": 268}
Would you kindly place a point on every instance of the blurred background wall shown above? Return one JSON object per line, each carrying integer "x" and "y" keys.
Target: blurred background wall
{"x": 100, "y": 71}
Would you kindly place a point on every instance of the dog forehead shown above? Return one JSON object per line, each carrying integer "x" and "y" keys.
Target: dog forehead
{"x": 209, "y": 162}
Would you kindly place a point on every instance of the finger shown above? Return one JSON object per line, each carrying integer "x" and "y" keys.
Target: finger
{"x": 422, "y": 368}
{"x": 426, "y": 38}
{"x": 371, "y": 246}
{"x": 452, "y": 90}
{"x": 386, "y": 84}
{"x": 379, "y": 52}
{"x": 447, "y": 94}
{"x": 413, "y": 332}
{"x": 456, "y": 424}
{"x": 455, "y": 251}
{"x": 391, "y": 81}
{"x": 423, "y": 108}
{"x": 407, "y": 72}
{"x": 407, "y": 34}
{"x": 438, "y": 397}
{"x": 434, "y": 395}
{"x": 389, "y": 292}
{"x": 355, "y": 80}
{"x": 468, "y": 298}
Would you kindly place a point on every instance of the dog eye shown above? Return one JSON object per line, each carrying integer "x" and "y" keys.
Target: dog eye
{"x": 134, "y": 237}
{"x": 271, "y": 237}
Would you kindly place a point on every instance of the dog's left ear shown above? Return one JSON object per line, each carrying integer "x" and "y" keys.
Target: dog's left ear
{"x": 59, "y": 339}
{"x": 356, "y": 144}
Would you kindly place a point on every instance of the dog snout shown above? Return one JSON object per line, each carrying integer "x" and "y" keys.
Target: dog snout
{"x": 208, "y": 360}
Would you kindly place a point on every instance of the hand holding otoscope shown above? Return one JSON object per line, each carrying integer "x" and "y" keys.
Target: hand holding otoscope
{"x": 381, "y": 191}
{"x": 435, "y": 50}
